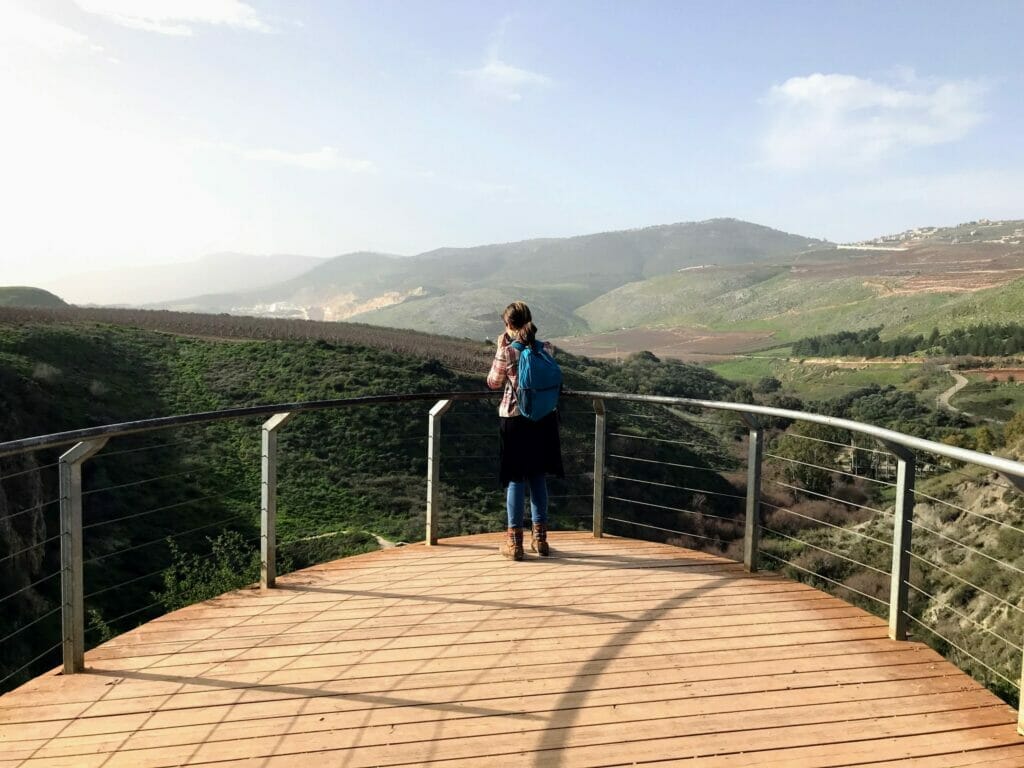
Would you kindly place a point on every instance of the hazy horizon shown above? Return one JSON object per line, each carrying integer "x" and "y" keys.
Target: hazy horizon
{"x": 162, "y": 133}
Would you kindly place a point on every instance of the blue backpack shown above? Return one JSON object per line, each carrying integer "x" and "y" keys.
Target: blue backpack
{"x": 540, "y": 381}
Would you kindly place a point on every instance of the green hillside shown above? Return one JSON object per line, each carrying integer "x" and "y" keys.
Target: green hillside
{"x": 172, "y": 518}
{"x": 20, "y": 296}
{"x": 474, "y": 312}
{"x": 783, "y": 300}
{"x": 451, "y": 288}
{"x": 182, "y": 505}
{"x": 993, "y": 306}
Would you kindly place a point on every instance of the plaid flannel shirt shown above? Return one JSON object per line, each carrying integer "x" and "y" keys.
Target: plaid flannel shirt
{"x": 505, "y": 373}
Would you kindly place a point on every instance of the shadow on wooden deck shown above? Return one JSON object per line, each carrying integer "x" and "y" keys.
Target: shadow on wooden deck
{"x": 611, "y": 652}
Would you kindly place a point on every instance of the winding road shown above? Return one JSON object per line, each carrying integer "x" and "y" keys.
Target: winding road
{"x": 960, "y": 382}
{"x": 944, "y": 398}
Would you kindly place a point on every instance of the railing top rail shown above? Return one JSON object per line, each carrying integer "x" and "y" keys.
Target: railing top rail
{"x": 40, "y": 442}
{"x": 887, "y": 436}
{"x": 1012, "y": 469}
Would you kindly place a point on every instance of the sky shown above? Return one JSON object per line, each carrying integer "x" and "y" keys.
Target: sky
{"x": 157, "y": 131}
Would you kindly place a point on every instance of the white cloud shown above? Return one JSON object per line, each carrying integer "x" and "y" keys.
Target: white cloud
{"x": 844, "y": 121}
{"x": 323, "y": 159}
{"x": 177, "y": 17}
{"x": 19, "y": 27}
{"x": 498, "y": 77}
{"x": 505, "y": 80}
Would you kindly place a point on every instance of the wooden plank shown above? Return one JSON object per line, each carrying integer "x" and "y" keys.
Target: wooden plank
{"x": 81, "y": 689}
{"x": 619, "y": 680}
{"x": 147, "y": 693}
{"x": 617, "y": 650}
{"x": 365, "y": 731}
{"x": 562, "y": 742}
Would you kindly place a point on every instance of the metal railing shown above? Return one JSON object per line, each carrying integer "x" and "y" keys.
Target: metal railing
{"x": 673, "y": 464}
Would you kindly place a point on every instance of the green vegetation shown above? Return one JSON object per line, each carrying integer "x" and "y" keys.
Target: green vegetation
{"x": 20, "y": 296}
{"x": 987, "y": 340}
{"x": 173, "y": 517}
{"x": 644, "y": 374}
{"x": 997, "y": 400}
{"x": 825, "y": 381}
{"x": 796, "y": 301}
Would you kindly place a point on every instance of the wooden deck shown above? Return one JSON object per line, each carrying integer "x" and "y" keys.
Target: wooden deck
{"x": 611, "y": 652}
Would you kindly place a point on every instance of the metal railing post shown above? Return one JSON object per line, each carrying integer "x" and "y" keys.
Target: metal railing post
{"x": 903, "y": 528}
{"x": 752, "y": 523}
{"x": 434, "y": 468}
{"x": 268, "y": 500}
{"x": 1020, "y": 704}
{"x": 72, "y": 589}
{"x": 600, "y": 431}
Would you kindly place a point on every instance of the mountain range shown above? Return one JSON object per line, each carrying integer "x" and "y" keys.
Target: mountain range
{"x": 137, "y": 285}
{"x": 723, "y": 285}
{"x": 461, "y": 291}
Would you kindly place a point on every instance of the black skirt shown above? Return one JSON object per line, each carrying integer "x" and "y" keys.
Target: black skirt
{"x": 529, "y": 448}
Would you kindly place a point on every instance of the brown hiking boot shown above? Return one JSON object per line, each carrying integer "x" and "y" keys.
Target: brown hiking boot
{"x": 539, "y": 540}
{"x": 512, "y": 547}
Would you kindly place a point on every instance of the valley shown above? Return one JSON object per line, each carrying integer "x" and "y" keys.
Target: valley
{"x": 352, "y": 478}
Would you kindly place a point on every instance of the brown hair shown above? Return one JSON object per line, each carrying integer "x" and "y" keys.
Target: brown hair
{"x": 518, "y": 318}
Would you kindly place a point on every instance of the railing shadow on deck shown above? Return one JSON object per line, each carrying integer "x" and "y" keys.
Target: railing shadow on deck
{"x": 705, "y": 474}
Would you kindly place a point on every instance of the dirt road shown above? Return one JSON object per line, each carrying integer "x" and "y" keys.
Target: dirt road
{"x": 960, "y": 382}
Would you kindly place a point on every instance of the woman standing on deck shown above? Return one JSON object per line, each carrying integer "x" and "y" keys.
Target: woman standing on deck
{"x": 529, "y": 449}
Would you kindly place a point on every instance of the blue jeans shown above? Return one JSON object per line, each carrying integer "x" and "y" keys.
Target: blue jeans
{"x": 515, "y": 500}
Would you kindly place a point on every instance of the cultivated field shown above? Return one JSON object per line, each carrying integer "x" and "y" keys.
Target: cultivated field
{"x": 690, "y": 344}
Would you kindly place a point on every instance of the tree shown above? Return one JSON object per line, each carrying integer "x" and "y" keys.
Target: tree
{"x": 814, "y": 450}
{"x": 1014, "y": 429}
{"x": 767, "y": 384}
{"x": 985, "y": 440}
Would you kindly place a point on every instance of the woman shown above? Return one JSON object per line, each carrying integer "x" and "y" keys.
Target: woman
{"x": 529, "y": 449}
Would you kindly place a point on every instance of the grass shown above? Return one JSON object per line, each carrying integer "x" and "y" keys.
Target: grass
{"x": 793, "y": 307}
{"x": 816, "y": 381}
{"x": 998, "y": 400}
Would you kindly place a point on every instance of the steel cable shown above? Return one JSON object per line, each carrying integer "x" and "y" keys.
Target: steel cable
{"x": 22, "y": 551}
{"x": 673, "y": 509}
{"x": 670, "y": 463}
{"x": 29, "y": 471}
{"x": 828, "y": 524}
{"x": 123, "y": 616}
{"x": 659, "y": 528}
{"x": 30, "y": 663}
{"x": 678, "y": 487}
{"x": 834, "y": 471}
{"x": 32, "y": 623}
{"x": 964, "y": 581}
{"x": 688, "y": 443}
{"x": 839, "y": 445}
{"x": 829, "y": 498}
{"x": 151, "y": 574}
{"x": 29, "y": 586}
{"x": 32, "y": 509}
{"x": 1004, "y": 486}
{"x": 975, "y": 622}
{"x": 825, "y": 578}
{"x": 826, "y": 551}
{"x": 969, "y": 548}
{"x": 139, "y": 482}
{"x": 109, "y": 454}
{"x": 165, "y": 538}
{"x": 176, "y": 505}
{"x": 969, "y": 512}
{"x": 970, "y": 655}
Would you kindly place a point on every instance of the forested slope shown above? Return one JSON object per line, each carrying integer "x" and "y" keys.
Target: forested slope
{"x": 166, "y": 512}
